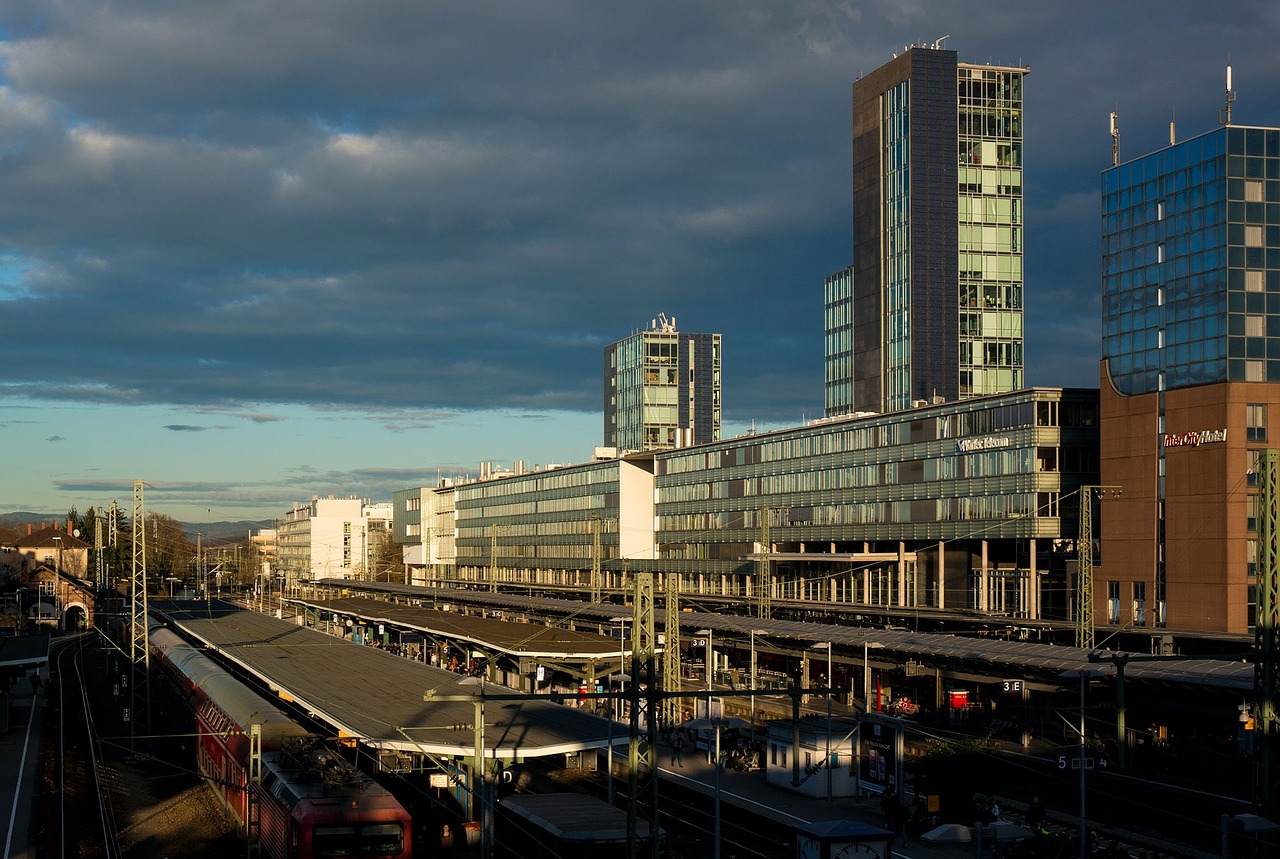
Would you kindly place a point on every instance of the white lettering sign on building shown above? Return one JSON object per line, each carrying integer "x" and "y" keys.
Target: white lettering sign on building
{"x": 995, "y": 442}
{"x": 1195, "y": 438}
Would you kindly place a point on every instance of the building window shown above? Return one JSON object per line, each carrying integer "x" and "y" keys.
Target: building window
{"x": 1139, "y": 603}
{"x": 1113, "y": 602}
{"x": 1256, "y": 422}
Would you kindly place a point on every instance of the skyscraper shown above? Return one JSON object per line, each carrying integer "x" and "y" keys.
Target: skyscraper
{"x": 1190, "y": 376}
{"x": 935, "y": 307}
{"x": 662, "y": 389}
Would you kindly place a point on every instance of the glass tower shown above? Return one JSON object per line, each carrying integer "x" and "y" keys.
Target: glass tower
{"x": 1191, "y": 263}
{"x": 662, "y": 389}
{"x": 936, "y": 298}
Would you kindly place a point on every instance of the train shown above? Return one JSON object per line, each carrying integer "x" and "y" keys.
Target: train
{"x": 309, "y": 802}
{"x": 566, "y": 826}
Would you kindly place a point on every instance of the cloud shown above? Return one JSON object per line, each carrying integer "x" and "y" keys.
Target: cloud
{"x": 185, "y": 428}
{"x": 448, "y": 207}
{"x": 56, "y": 438}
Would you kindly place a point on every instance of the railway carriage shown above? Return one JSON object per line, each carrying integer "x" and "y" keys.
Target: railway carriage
{"x": 311, "y": 803}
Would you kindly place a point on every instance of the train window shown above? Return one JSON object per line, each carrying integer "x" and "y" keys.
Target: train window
{"x": 374, "y": 839}
{"x": 334, "y": 841}
{"x": 381, "y": 839}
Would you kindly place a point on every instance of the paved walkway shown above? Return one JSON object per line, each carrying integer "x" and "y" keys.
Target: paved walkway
{"x": 19, "y": 767}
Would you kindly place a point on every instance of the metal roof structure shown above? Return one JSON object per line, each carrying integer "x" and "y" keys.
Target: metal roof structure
{"x": 516, "y": 639}
{"x": 378, "y": 697}
{"x": 24, "y": 651}
{"x": 978, "y": 655}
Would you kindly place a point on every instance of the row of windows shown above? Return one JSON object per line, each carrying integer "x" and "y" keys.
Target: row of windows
{"x": 981, "y": 507}
{"x": 872, "y": 436}
{"x": 531, "y": 506}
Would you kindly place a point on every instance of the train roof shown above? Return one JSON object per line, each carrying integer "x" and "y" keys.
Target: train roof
{"x": 242, "y": 705}
{"x": 573, "y": 816}
{"x": 378, "y": 697}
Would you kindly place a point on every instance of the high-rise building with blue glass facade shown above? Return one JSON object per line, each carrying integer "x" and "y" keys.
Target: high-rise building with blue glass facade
{"x": 1190, "y": 376}
{"x": 936, "y": 298}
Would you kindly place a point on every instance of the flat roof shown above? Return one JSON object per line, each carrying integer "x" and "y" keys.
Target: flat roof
{"x": 377, "y": 697}
{"x": 515, "y": 638}
{"x": 992, "y": 657}
{"x": 24, "y": 651}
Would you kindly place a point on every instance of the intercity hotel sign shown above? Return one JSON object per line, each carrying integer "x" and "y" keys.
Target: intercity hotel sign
{"x": 1195, "y": 438}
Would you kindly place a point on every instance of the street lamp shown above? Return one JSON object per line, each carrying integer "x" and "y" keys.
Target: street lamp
{"x": 754, "y": 633}
{"x": 1085, "y": 674}
{"x": 827, "y": 762}
{"x": 866, "y": 672}
{"x": 57, "y": 586}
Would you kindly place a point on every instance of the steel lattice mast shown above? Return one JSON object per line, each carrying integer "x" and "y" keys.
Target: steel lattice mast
{"x": 1266, "y": 630}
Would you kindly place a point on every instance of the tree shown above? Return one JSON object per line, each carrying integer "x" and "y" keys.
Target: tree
{"x": 386, "y": 560}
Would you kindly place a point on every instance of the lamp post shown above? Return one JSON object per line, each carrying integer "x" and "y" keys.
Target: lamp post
{"x": 866, "y": 671}
{"x": 57, "y": 586}
{"x": 827, "y": 763}
{"x": 754, "y": 633}
{"x": 1084, "y": 674}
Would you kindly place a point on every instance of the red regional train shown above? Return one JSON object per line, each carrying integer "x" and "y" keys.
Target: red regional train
{"x": 312, "y": 804}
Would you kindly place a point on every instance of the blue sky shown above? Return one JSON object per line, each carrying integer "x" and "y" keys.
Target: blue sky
{"x": 259, "y": 250}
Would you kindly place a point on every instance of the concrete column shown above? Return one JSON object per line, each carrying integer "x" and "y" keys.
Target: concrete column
{"x": 984, "y": 582}
{"x": 942, "y": 577}
{"x": 1033, "y": 586}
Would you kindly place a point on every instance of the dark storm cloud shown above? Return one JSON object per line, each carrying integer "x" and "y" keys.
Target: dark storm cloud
{"x": 402, "y": 204}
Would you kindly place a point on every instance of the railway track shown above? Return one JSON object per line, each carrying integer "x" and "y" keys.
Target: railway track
{"x": 99, "y": 796}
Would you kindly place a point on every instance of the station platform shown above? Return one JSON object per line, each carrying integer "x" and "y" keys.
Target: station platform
{"x": 20, "y": 764}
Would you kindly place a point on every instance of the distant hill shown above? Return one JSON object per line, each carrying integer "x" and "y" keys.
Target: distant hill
{"x": 214, "y": 533}
{"x": 211, "y": 533}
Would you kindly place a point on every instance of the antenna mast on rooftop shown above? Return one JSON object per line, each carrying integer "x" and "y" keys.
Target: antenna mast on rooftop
{"x": 1115, "y": 138}
{"x": 1224, "y": 115}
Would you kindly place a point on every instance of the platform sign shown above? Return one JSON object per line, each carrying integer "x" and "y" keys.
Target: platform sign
{"x": 1013, "y": 687}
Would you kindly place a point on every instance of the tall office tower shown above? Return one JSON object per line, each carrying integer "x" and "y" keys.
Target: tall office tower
{"x": 662, "y": 389}
{"x": 1190, "y": 376}
{"x": 936, "y": 300}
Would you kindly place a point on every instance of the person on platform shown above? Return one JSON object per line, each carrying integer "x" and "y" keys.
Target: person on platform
{"x": 677, "y": 750}
{"x": 1036, "y": 816}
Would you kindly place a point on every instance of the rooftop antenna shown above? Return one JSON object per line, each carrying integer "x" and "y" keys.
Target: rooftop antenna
{"x": 1115, "y": 138}
{"x": 1173, "y": 136}
{"x": 937, "y": 45}
{"x": 1224, "y": 115}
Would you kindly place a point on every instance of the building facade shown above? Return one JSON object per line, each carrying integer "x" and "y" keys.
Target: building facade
{"x": 662, "y": 389}
{"x": 1190, "y": 377}
{"x": 423, "y": 526}
{"x": 963, "y": 506}
{"x": 329, "y": 538}
{"x": 936, "y": 282}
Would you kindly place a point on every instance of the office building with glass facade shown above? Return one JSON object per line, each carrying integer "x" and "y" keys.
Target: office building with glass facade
{"x": 964, "y": 506}
{"x": 936, "y": 298}
{"x": 662, "y": 389}
{"x": 1190, "y": 377}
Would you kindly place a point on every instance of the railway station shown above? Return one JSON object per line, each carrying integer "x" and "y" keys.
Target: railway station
{"x": 394, "y": 706}
{"x": 983, "y": 684}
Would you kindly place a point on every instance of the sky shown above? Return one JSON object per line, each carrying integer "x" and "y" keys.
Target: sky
{"x": 256, "y": 251}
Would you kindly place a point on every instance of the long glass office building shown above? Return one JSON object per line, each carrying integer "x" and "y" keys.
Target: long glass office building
{"x": 958, "y": 507}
